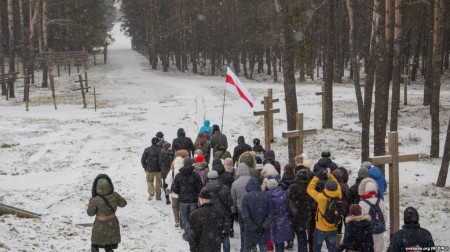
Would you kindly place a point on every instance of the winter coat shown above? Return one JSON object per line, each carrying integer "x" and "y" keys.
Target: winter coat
{"x": 353, "y": 195}
{"x": 280, "y": 227}
{"x": 299, "y": 205}
{"x": 187, "y": 185}
{"x": 257, "y": 212}
{"x": 322, "y": 200}
{"x": 105, "y": 232}
{"x": 218, "y": 142}
{"x": 258, "y": 149}
{"x": 221, "y": 196}
{"x": 287, "y": 180}
{"x": 222, "y": 154}
{"x": 411, "y": 235}
{"x": 202, "y": 170}
{"x": 207, "y": 228}
{"x": 324, "y": 163}
{"x": 166, "y": 158}
{"x": 227, "y": 178}
{"x": 206, "y": 127}
{"x": 341, "y": 174}
{"x": 238, "y": 190}
{"x": 183, "y": 143}
{"x": 150, "y": 159}
{"x": 240, "y": 148}
{"x": 268, "y": 172}
{"x": 358, "y": 235}
{"x": 177, "y": 164}
{"x": 378, "y": 176}
{"x": 271, "y": 154}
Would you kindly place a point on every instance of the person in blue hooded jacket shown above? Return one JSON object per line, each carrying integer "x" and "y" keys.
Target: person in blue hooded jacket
{"x": 257, "y": 212}
{"x": 376, "y": 174}
{"x": 206, "y": 130}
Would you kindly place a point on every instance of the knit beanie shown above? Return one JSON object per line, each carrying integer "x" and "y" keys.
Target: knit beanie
{"x": 363, "y": 172}
{"x": 155, "y": 140}
{"x": 370, "y": 187}
{"x": 354, "y": 210}
{"x": 205, "y": 194}
{"x": 302, "y": 175}
{"x": 272, "y": 183}
{"x": 187, "y": 161}
{"x": 213, "y": 174}
{"x": 331, "y": 185}
{"x": 326, "y": 153}
{"x": 411, "y": 216}
{"x": 199, "y": 158}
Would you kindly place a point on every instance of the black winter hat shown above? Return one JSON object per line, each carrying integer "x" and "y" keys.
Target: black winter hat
{"x": 331, "y": 185}
{"x": 326, "y": 153}
{"x": 302, "y": 175}
{"x": 411, "y": 216}
{"x": 155, "y": 140}
{"x": 187, "y": 161}
{"x": 256, "y": 141}
{"x": 204, "y": 194}
{"x": 159, "y": 134}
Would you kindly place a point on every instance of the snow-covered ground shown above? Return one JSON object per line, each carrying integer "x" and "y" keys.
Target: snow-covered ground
{"x": 56, "y": 154}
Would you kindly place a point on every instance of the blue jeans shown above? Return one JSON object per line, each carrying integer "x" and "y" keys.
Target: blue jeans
{"x": 302, "y": 241}
{"x": 279, "y": 247}
{"x": 226, "y": 244}
{"x": 185, "y": 210}
{"x": 262, "y": 247}
{"x": 329, "y": 237}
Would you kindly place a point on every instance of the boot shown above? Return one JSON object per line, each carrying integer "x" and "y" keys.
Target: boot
{"x": 94, "y": 248}
{"x": 167, "y": 201}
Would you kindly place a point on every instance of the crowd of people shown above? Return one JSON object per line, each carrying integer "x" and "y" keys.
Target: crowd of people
{"x": 209, "y": 189}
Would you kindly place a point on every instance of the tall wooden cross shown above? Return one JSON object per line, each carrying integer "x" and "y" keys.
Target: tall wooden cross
{"x": 324, "y": 102}
{"x": 298, "y": 134}
{"x": 393, "y": 159}
{"x": 268, "y": 125}
{"x": 270, "y": 106}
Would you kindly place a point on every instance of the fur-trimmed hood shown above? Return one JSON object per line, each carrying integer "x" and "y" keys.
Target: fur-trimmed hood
{"x": 358, "y": 218}
{"x": 362, "y": 185}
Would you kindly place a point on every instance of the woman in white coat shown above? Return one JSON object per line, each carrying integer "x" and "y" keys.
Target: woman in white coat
{"x": 368, "y": 190}
{"x": 177, "y": 164}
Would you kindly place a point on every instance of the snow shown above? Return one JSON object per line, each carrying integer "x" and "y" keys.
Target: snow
{"x": 56, "y": 154}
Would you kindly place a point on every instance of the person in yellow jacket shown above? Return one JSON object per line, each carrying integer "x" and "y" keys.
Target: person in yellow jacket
{"x": 324, "y": 230}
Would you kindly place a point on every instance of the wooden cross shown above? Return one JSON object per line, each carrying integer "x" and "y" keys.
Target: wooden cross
{"x": 298, "y": 134}
{"x": 80, "y": 80}
{"x": 268, "y": 127}
{"x": 270, "y": 106}
{"x": 324, "y": 102}
{"x": 406, "y": 79}
{"x": 393, "y": 159}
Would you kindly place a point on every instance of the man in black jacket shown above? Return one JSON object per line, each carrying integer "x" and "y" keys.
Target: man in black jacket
{"x": 187, "y": 184}
{"x": 218, "y": 140}
{"x": 207, "y": 225}
{"x": 240, "y": 148}
{"x": 150, "y": 163}
{"x": 411, "y": 235}
{"x": 183, "y": 143}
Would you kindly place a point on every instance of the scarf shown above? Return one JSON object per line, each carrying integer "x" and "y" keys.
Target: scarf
{"x": 369, "y": 195}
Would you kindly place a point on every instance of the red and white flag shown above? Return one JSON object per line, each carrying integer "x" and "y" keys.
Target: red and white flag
{"x": 234, "y": 85}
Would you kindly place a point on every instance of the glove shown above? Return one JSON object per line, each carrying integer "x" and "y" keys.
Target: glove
{"x": 235, "y": 217}
{"x": 260, "y": 230}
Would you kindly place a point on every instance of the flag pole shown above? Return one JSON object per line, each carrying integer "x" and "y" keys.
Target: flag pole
{"x": 223, "y": 109}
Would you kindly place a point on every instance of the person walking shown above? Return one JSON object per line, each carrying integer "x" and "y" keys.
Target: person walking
{"x": 177, "y": 164}
{"x": 187, "y": 185}
{"x": 166, "y": 158}
{"x": 280, "y": 227}
{"x": 150, "y": 163}
{"x": 182, "y": 142}
{"x": 208, "y": 225}
{"x": 240, "y": 148}
{"x": 238, "y": 192}
{"x": 104, "y": 204}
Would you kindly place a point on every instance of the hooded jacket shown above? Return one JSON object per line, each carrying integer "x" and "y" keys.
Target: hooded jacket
{"x": 271, "y": 154}
{"x": 281, "y": 228}
{"x": 411, "y": 235}
{"x": 364, "y": 206}
{"x": 150, "y": 159}
{"x": 240, "y": 148}
{"x": 322, "y": 200}
{"x": 257, "y": 213}
{"x": 183, "y": 143}
{"x": 227, "y": 178}
{"x": 299, "y": 205}
{"x": 324, "y": 163}
{"x": 105, "y": 232}
{"x": 376, "y": 174}
{"x": 268, "y": 172}
{"x": 206, "y": 127}
{"x": 358, "y": 234}
{"x": 166, "y": 158}
{"x": 177, "y": 164}
{"x": 218, "y": 142}
{"x": 187, "y": 184}
{"x": 238, "y": 187}
{"x": 221, "y": 195}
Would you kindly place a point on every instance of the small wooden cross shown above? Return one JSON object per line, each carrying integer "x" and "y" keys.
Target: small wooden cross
{"x": 268, "y": 126}
{"x": 270, "y": 106}
{"x": 406, "y": 79}
{"x": 298, "y": 134}
{"x": 393, "y": 159}
{"x": 324, "y": 102}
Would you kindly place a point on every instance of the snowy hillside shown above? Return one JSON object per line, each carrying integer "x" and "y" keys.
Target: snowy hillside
{"x": 54, "y": 155}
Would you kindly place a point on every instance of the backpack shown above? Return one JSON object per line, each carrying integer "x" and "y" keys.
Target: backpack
{"x": 376, "y": 217}
{"x": 334, "y": 210}
{"x": 203, "y": 176}
{"x": 207, "y": 134}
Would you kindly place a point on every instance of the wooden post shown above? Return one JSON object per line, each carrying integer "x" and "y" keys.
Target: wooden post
{"x": 5, "y": 209}
{"x": 69, "y": 68}
{"x": 299, "y": 134}
{"x": 80, "y": 79}
{"x": 267, "y": 126}
{"x": 393, "y": 159}
{"x": 86, "y": 80}
{"x": 95, "y": 101}
{"x": 52, "y": 85}
{"x": 270, "y": 106}
{"x": 405, "y": 77}
{"x": 58, "y": 71}
{"x": 26, "y": 81}
{"x": 324, "y": 102}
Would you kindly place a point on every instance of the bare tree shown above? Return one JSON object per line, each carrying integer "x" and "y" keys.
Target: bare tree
{"x": 11, "y": 46}
{"x": 396, "y": 71}
{"x": 442, "y": 177}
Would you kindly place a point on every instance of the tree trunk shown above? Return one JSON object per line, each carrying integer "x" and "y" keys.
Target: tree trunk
{"x": 396, "y": 71}
{"x": 24, "y": 51}
{"x": 274, "y": 64}
{"x": 11, "y": 46}
{"x": 329, "y": 66}
{"x": 442, "y": 177}
{"x": 44, "y": 42}
{"x": 288, "y": 49}
{"x": 428, "y": 61}
{"x": 2, "y": 55}
{"x": 439, "y": 7}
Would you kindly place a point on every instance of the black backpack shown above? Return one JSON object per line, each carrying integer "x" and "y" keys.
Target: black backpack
{"x": 376, "y": 217}
{"x": 334, "y": 212}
